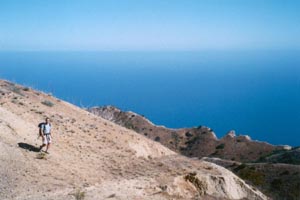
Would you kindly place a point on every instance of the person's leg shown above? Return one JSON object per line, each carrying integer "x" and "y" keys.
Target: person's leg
{"x": 48, "y": 138}
{"x": 48, "y": 146}
{"x": 41, "y": 147}
{"x": 44, "y": 144}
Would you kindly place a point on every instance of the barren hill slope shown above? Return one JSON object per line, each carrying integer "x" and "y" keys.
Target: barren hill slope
{"x": 96, "y": 158}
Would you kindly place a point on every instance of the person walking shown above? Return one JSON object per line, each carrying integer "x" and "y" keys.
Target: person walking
{"x": 45, "y": 133}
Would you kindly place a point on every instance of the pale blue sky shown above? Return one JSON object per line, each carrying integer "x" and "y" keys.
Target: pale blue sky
{"x": 149, "y": 25}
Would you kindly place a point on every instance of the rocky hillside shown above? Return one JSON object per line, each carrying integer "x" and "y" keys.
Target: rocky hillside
{"x": 92, "y": 158}
{"x": 253, "y": 161}
{"x": 291, "y": 156}
{"x": 279, "y": 181}
{"x": 193, "y": 142}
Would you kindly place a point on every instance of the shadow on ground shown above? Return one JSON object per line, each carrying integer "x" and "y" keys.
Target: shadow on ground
{"x": 28, "y": 147}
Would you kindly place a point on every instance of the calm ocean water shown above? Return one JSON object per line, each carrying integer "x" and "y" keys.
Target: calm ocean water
{"x": 254, "y": 93}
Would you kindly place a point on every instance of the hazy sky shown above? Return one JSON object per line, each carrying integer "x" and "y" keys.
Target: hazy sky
{"x": 149, "y": 24}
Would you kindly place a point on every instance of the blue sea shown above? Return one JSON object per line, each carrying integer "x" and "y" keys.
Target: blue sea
{"x": 252, "y": 92}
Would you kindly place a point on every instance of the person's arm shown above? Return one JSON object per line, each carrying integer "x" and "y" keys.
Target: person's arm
{"x": 42, "y": 131}
{"x": 51, "y": 130}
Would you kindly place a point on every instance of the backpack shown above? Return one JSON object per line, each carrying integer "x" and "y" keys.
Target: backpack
{"x": 41, "y": 125}
{"x": 41, "y": 128}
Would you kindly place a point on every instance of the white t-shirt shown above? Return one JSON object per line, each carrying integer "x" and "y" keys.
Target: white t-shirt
{"x": 47, "y": 128}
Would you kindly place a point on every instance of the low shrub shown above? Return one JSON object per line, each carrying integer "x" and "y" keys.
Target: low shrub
{"x": 79, "y": 195}
{"x": 240, "y": 167}
{"x": 16, "y": 90}
{"x": 47, "y": 103}
{"x": 41, "y": 156}
{"x": 257, "y": 178}
{"x": 188, "y": 134}
{"x": 220, "y": 146}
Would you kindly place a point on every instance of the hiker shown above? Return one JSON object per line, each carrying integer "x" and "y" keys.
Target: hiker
{"x": 45, "y": 133}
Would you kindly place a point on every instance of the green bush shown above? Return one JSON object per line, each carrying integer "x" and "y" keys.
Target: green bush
{"x": 256, "y": 177}
{"x": 240, "y": 167}
{"x": 16, "y": 90}
{"x": 26, "y": 89}
{"x": 199, "y": 127}
{"x": 79, "y": 195}
{"x": 221, "y": 146}
{"x": 42, "y": 156}
{"x": 188, "y": 134}
{"x": 129, "y": 125}
{"x": 47, "y": 103}
{"x": 276, "y": 184}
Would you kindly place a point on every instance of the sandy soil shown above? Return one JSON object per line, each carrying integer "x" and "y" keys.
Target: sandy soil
{"x": 93, "y": 158}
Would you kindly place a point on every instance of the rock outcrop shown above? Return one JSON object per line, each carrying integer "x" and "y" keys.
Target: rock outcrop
{"x": 278, "y": 181}
{"x": 96, "y": 159}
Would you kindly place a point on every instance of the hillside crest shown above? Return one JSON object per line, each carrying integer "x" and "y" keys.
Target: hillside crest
{"x": 95, "y": 157}
{"x": 198, "y": 141}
